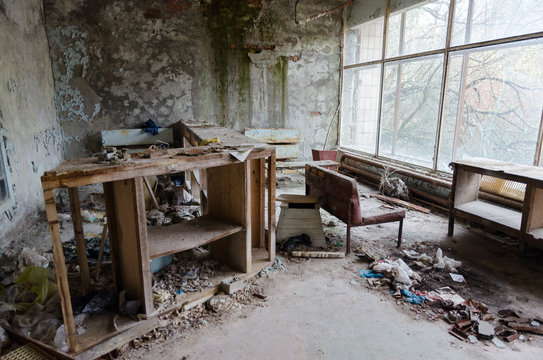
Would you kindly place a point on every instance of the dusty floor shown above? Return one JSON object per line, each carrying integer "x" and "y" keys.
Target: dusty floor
{"x": 322, "y": 309}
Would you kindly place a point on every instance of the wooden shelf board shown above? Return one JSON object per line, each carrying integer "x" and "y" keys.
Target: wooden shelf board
{"x": 494, "y": 213}
{"x": 167, "y": 240}
{"x": 99, "y": 328}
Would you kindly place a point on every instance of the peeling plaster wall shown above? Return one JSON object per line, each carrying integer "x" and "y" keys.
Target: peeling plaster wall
{"x": 33, "y": 138}
{"x": 235, "y": 63}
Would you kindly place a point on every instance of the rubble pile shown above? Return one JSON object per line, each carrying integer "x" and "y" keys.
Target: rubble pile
{"x": 185, "y": 276}
{"x": 471, "y": 320}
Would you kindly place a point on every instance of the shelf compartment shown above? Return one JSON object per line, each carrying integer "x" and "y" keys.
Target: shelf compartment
{"x": 487, "y": 213}
{"x": 186, "y": 235}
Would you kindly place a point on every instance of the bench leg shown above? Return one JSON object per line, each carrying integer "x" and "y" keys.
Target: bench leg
{"x": 348, "y": 249}
{"x": 400, "y": 234}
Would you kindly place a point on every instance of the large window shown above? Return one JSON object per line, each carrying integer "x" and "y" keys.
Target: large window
{"x": 429, "y": 82}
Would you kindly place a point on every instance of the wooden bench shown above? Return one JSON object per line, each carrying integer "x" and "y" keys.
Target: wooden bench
{"x": 338, "y": 194}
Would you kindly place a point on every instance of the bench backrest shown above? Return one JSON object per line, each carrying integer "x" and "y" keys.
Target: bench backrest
{"x": 337, "y": 193}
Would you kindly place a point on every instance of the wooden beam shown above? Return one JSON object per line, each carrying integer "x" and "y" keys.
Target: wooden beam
{"x": 319, "y": 254}
{"x": 103, "y": 239}
{"x": 79, "y": 240}
{"x": 271, "y": 207}
{"x": 60, "y": 269}
{"x": 399, "y": 202}
{"x": 151, "y": 192}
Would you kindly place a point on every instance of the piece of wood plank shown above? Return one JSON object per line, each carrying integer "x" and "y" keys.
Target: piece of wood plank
{"x": 262, "y": 203}
{"x": 80, "y": 245}
{"x": 115, "y": 339}
{"x": 301, "y": 164}
{"x": 151, "y": 192}
{"x": 255, "y": 203}
{"x": 109, "y": 200}
{"x": 297, "y": 199}
{"x": 533, "y": 208}
{"x": 79, "y": 172}
{"x": 491, "y": 216}
{"x": 510, "y": 171}
{"x": 130, "y": 137}
{"x": 165, "y": 240}
{"x": 286, "y": 151}
{"x": 401, "y": 203}
{"x": 132, "y": 246}
{"x": 274, "y": 136}
{"x": 194, "y": 186}
{"x": 319, "y": 254}
{"x": 271, "y": 207}
{"x": 60, "y": 269}
{"x": 467, "y": 187}
{"x": 229, "y": 198}
{"x": 103, "y": 239}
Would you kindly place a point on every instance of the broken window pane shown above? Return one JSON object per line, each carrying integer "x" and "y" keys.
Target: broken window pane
{"x": 410, "y": 108}
{"x": 493, "y": 104}
{"x": 483, "y": 20}
{"x": 360, "y": 108}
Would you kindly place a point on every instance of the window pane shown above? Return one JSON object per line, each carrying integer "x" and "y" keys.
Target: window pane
{"x": 494, "y": 109}
{"x": 418, "y": 29}
{"x": 364, "y": 42}
{"x": 482, "y": 20}
{"x": 410, "y": 110}
{"x": 360, "y": 104}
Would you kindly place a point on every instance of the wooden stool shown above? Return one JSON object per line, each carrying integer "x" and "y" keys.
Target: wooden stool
{"x": 300, "y": 215}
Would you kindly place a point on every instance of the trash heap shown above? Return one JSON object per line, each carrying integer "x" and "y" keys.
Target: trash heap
{"x": 188, "y": 273}
{"x": 29, "y": 301}
{"x": 470, "y": 320}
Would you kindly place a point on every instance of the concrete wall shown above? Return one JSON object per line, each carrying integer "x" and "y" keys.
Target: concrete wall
{"x": 236, "y": 63}
{"x": 32, "y": 135}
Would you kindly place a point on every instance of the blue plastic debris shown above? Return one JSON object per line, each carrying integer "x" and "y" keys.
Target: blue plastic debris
{"x": 412, "y": 298}
{"x": 179, "y": 292}
{"x": 150, "y": 127}
{"x": 370, "y": 274}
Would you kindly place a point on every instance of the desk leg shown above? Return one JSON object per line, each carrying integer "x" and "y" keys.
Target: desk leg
{"x": 271, "y": 207}
{"x": 60, "y": 268}
{"x": 79, "y": 240}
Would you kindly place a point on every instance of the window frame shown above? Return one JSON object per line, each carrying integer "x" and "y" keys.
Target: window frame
{"x": 445, "y": 52}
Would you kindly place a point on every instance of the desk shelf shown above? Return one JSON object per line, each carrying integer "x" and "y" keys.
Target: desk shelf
{"x": 498, "y": 215}
{"x": 165, "y": 240}
{"x": 526, "y": 224}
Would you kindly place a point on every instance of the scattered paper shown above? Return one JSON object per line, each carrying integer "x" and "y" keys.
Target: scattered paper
{"x": 241, "y": 153}
{"x": 457, "y": 278}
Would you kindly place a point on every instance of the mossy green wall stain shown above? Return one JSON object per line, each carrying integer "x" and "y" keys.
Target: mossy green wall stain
{"x": 228, "y": 22}
{"x": 281, "y": 69}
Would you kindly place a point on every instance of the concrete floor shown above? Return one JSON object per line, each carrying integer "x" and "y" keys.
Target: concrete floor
{"x": 321, "y": 309}
{"x": 313, "y": 311}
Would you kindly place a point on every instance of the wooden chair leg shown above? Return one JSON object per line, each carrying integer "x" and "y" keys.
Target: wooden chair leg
{"x": 400, "y": 234}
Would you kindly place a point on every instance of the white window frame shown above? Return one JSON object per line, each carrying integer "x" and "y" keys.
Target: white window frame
{"x": 445, "y": 52}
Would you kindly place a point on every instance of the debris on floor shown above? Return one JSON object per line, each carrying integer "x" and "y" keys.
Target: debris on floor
{"x": 471, "y": 320}
{"x": 393, "y": 187}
